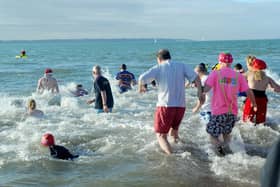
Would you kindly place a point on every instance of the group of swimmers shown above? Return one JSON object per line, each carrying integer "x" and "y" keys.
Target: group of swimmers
{"x": 220, "y": 112}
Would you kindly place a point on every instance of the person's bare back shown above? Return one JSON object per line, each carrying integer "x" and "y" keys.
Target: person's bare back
{"x": 262, "y": 84}
{"x": 48, "y": 83}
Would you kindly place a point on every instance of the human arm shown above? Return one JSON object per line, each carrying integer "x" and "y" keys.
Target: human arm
{"x": 104, "y": 101}
{"x": 133, "y": 80}
{"x": 251, "y": 96}
{"x": 146, "y": 78}
{"x": 90, "y": 101}
{"x": 39, "y": 86}
{"x": 56, "y": 89}
{"x": 274, "y": 85}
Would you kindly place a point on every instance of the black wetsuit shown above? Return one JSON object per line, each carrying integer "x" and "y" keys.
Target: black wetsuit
{"x": 61, "y": 152}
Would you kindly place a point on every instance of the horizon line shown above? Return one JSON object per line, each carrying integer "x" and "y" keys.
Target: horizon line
{"x": 155, "y": 39}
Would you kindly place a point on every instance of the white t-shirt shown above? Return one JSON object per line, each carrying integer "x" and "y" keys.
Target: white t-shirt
{"x": 170, "y": 77}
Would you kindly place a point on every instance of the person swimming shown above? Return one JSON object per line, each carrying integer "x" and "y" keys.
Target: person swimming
{"x": 32, "y": 111}
{"x": 80, "y": 91}
{"x": 56, "y": 151}
{"x": 23, "y": 53}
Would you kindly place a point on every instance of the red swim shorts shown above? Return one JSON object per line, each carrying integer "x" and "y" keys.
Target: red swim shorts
{"x": 168, "y": 117}
{"x": 250, "y": 115}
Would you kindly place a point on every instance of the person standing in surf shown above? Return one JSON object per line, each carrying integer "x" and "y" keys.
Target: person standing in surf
{"x": 170, "y": 77}
{"x": 104, "y": 101}
{"x": 47, "y": 82}
{"x": 126, "y": 79}
{"x": 205, "y": 112}
{"x": 258, "y": 82}
{"x": 225, "y": 84}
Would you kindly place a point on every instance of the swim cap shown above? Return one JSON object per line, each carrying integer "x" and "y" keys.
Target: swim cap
{"x": 48, "y": 70}
{"x": 47, "y": 139}
{"x": 225, "y": 58}
{"x": 258, "y": 64}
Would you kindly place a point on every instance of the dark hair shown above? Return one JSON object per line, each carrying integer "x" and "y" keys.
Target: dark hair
{"x": 202, "y": 67}
{"x": 163, "y": 54}
{"x": 123, "y": 66}
{"x": 238, "y": 66}
{"x": 79, "y": 85}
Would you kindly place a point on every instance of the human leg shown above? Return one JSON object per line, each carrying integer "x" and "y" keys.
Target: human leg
{"x": 163, "y": 142}
{"x": 162, "y": 126}
{"x": 177, "y": 114}
{"x": 262, "y": 108}
{"x": 248, "y": 112}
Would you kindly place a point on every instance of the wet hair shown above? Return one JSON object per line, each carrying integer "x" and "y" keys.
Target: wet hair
{"x": 123, "y": 66}
{"x": 79, "y": 85}
{"x": 32, "y": 104}
{"x": 202, "y": 68}
{"x": 238, "y": 66}
{"x": 163, "y": 54}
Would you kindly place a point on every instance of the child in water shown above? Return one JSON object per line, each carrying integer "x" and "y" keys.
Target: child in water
{"x": 32, "y": 111}
{"x": 56, "y": 151}
{"x": 205, "y": 113}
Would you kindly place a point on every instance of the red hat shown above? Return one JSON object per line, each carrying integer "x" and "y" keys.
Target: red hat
{"x": 48, "y": 70}
{"x": 225, "y": 58}
{"x": 47, "y": 139}
{"x": 258, "y": 64}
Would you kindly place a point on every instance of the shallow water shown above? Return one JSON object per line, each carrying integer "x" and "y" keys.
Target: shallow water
{"x": 120, "y": 149}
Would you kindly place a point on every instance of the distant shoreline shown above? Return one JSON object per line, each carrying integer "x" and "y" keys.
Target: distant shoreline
{"x": 134, "y": 39}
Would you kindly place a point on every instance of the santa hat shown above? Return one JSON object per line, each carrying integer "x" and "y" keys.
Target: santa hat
{"x": 259, "y": 64}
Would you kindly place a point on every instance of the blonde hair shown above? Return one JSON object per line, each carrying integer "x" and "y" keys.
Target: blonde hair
{"x": 249, "y": 60}
{"x": 32, "y": 104}
{"x": 259, "y": 75}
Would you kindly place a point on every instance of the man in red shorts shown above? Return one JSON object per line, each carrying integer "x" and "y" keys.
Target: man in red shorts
{"x": 170, "y": 110}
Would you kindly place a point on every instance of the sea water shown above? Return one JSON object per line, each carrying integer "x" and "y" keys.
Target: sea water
{"x": 120, "y": 148}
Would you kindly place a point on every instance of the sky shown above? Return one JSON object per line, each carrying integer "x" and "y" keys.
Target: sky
{"x": 178, "y": 19}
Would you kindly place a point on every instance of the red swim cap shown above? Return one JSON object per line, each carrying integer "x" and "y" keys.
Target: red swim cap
{"x": 47, "y": 139}
{"x": 258, "y": 64}
{"x": 48, "y": 70}
{"x": 225, "y": 58}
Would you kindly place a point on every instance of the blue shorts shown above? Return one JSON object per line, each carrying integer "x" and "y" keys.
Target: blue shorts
{"x": 98, "y": 111}
{"x": 221, "y": 124}
{"x": 123, "y": 89}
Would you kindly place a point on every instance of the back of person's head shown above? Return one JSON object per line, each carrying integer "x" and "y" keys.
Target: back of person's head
{"x": 32, "y": 104}
{"x": 238, "y": 66}
{"x": 258, "y": 66}
{"x": 163, "y": 54}
{"x": 97, "y": 70}
{"x": 47, "y": 139}
{"x": 79, "y": 86}
{"x": 225, "y": 58}
{"x": 202, "y": 68}
{"x": 123, "y": 66}
{"x": 249, "y": 59}
{"x": 48, "y": 71}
